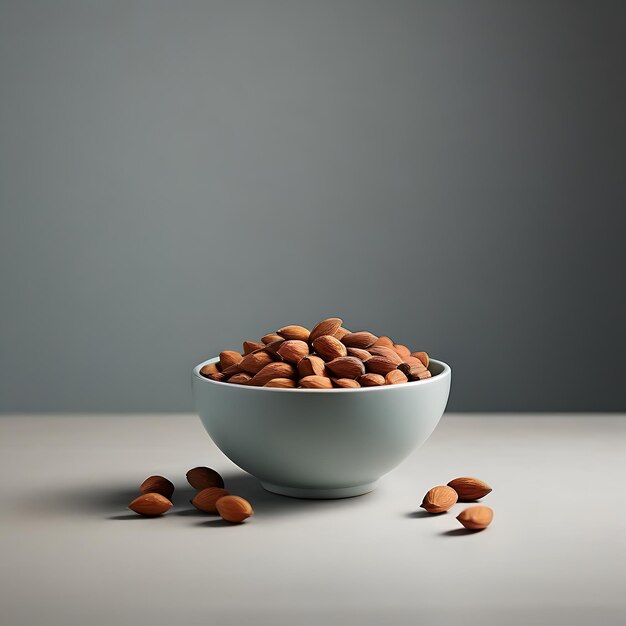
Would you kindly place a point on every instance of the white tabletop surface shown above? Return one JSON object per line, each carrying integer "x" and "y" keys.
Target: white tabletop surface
{"x": 72, "y": 554}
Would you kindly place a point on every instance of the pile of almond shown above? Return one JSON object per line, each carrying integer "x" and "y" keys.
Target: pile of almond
{"x": 463, "y": 489}
{"x": 157, "y": 491}
{"x": 326, "y": 357}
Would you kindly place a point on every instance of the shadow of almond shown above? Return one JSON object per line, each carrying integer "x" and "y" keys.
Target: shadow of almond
{"x": 460, "y": 532}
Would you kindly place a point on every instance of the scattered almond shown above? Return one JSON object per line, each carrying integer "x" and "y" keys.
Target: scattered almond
{"x": 204, "y": 477}
{"x": 439, "y": 499}
{"x": 234, "y": 509}
{"x": 206, "y": 499}
{"x": 469, "y": 488}
{"x": 476, "y": 517}
{"x": 150, "y": 504}
{"x": 157, "y": 484}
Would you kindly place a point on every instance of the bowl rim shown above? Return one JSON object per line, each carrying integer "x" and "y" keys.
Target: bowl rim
{"x": 445, "y": 373}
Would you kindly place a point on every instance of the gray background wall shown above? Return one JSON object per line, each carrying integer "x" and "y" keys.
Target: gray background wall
{"x": 178, "y": 176}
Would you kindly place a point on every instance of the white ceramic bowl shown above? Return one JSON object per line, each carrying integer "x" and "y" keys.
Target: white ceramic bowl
{"x": 320, "y": 443}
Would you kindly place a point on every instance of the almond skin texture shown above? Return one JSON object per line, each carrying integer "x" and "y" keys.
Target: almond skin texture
{"x": 362, "y": 340}
{"x": 251, "y": 346}
{"x": 228, "y": 358}
{"x": 272, "y": 348}
{"x": 414, "y": 372}
{"x": 439, "y": 499}
{"x": 219, "y": 377}
{"x": 206, "y": 499}
{"x": 292, "y": 350}
{"x": 359, "y": 354}
{"x": 240, "y": 379}
{"x": 211, "y": 368}
{"x": 411, "y": 360}
{"x": 326, "y": 327}
{"x": 388, "y": 353}
{"x": 371, "y": 380}
{"x": 469, "y": 489}
{"x": 233, "y": 369}
{"x": 157, "y": 484}
{"x": 203, "y": 478}
{"x": 401, "y": 350}
{"x": 316, "y": 382}
{"x": 311, "y": 365}
{"x": 422, "y": 356}
{"x": 341, "y": 333}
{"x": 150, "y": 504}
{"x": 329, "y": 348}
{"x": 395, "y": 377}
{"x": 384, "y": 341}
{"x": 476, "y": 517}
{"x": 380, "y": 365}
{"x": 346, "y": 367}
{"x": 299, "y": 333}
{"x": 345, "y": 383}
{"x": 273, "y": 370}
{"x": 281, "y": 383}
{"x": 255, "y": 362}
{"x": 271, "y": 338}
{"x": 234, "y": 509}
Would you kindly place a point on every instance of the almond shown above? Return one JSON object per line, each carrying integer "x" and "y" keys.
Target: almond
{"x": 380, "y": 365}
{"x": 204, "y": 477}
{"x": 329, "y": 348}
{"x": 401, "y": 350}
{"x": 362, "y": 339}
{"x": 292, "y": 350}
{"x": 206, "y": 499}
{"x": 271, "y": 338}
{"x": 150, "y": 504}
{"x": 311, "y": 365}
{"x": 229, "y": 357}
{"x": 414, "y": 372}
{"x": 299, "y": 333}
{"x": 233, "y": 369}
{"x": 384, "y": 341}
{"x": 210, "y": 368}
{"x": 316, "y": 382}
{"x": 219, "y": 377}
{"x": 273, "y": 370}
{"x": 326, "y": 327}
{"x": 371, "y": 380}
{"x": 439, "y": 499}
{"x": 255, "y": 362}
{"x": 272, "y": 348}
{"x": 251, "y": 346}
{"x": 395, "y": 377}
{"x": 469, "y": 488}
{"x": 476, "y": 517}
{"x": 422, "y": 356}
{"x": 342, "y": 332}
{"x": 388, "y": 353}
{"x": 157, "y": 484}
{"x": 359, "y": 354}
{"x": 240, "y": 379}
{"x": 411, "y": 360}
{"x": 281, "y": 383}
{"x": 345, "y": 382}
{"x": 234, "y": 509}
{"x": 346, "y": 367}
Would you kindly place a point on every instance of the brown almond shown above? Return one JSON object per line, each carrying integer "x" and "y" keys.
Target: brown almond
{"x": 272, "y": 348}
{"x": 255, "y": 362}
{"x": 229, "y": 357}
{"x": 346, "y": 367}
{"x": 395, "y": 377}
{"x": 271, "y": 338}
{"x": 362, "y": 339}
{"x": 345, "y": 383}
{"x": 401, "y": 351}
{"x": 326, "y": 327}
{"x": 206, "y": 499}
{"x": 273, "y": 370}
{"x": 359, "y": 354}
{"x": 219, "y": 377}
{"x": 299, "y": 333}
{"x": 380, "y": 365}
{"x": 329, "y": 348}
{"x": 422, "y": 356}
{"x": 204, "y": 477}
{"x": 384, "y": 341}
{"x": 234, "y": 509}
{"x": 411, "y": 360}
{"x": 157, "y": 484}
{"x": 439, "y": 499}
{"x": 316, "y": 382}
{"x": 251, "y": 346}
{"x": 469, "y": 488}
{"x": 414, "y": 372}
{"x": 476, "y": 517}
{"x": 385, "y": 351}
{"x": 371, "y": 380}
{"x": 312, "y": 365}
{"x": 292, "y": 350}
{"x": 341, "y": 333}
{"x": 210, "y": 368}
{"x": 281, "y": 383}
{"x": 240, "y": 379}
{"x": 150, "y": 504}
{"x": 232, "y": 369}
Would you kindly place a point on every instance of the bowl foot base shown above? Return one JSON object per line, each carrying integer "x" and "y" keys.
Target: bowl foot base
{"x": 320, "y": 494}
